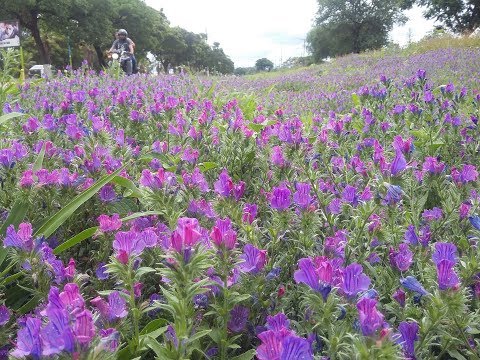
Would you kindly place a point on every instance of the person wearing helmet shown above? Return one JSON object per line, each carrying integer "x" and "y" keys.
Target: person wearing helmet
{"x": 123, "y": 43}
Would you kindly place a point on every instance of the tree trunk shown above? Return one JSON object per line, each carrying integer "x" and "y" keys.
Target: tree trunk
{"x": 44, "y": 54}
{"x": 101, "y": 59}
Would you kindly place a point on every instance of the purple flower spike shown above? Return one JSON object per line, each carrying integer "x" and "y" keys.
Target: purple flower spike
{"x": 280, "y": 198}
{"x": 444, "y": 251}
{"x": 4, "y": 315}
{"x": 447, "y": 278}
{"x": 370, "y": 318}
{"x": 398, "y": 164}
{"x": 28, "y": 339}
{"x": 296, "y": 348}
{"x": 302, "y": 196}
{"x": 278, "y": 322}
{"x": 410, "y": 283}
{"x": 254, "y": 259}
{"x": 409, "y": 333}
{"x": 354, "y": 280}
{"x": 238, "y": 318}
{"x": 84, "y": 329}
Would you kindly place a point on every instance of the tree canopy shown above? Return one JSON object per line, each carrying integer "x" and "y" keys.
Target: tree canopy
{"x": 345, "y": 26}
{"x": 456, "y": 15}
{"x": 88, "y": 26}
{"x": 263, "y": 64}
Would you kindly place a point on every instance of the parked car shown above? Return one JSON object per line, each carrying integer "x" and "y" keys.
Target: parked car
{"x": 41, "y": 71}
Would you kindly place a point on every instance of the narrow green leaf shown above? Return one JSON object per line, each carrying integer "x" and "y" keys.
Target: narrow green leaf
{"x": 157, "y": 348}
{"x": 153, "y": 325}
{"x": 30, "y": 305}
{"x": 356, "y": 100}
{"x": 85, "y": 234}
{"x": 54, "y": 222}
{"x": 11, "y": 278}
{"x": 245, "y": 356}
{"x": 39, "y": 161}
{"x": 9, "y": 116}
{"x": 205, "y": 166}
{"x": 198, "y": 335}
{"x": 127, "y": 183}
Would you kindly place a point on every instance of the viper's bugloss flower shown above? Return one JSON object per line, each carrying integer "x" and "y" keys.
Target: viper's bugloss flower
{"x": 399, "y": 163}
{"x": 108, "y": 223}
{"x": 412, "y": 284}
{"x": 222, "y": 234}
{"x": 407, "y": 337}
{"x": 447, "y": 277}
{"x": 370, "y": 318}
{"x": 401, "y": 259}
{"x": 186, "y": 235}
{"x": 399, "y": 296}
{"x": 238, "y": 318}
{"x": 410, "y": 235}
{"x": 224, "y": 185}
{"x": 21, "y": 239}
{"x": 432, "y": 214}
{"x": 444, "y": 251}
{"x": 302, "y": 196}
{"x": 354, "y": 280}
{"x": 249, "y": 213}
{"x": 318, "y": 276}
{"x": 280, "y": 199}
{"x": 4, "y": 315}
{"x": 254, "y": 260}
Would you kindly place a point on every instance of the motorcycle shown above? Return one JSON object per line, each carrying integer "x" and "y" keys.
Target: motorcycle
{"x": 124, "y": 59}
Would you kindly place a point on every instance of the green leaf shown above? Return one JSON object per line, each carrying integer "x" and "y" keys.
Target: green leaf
{"x": 11, "y": 278}
{"x": 30, "y": 305}
{"x": 259, "y": 127}
{"x": 153, "y": 325}
{"x": 198, "y": 335}
{"x": 456, "y": 355}
{"x": 245, "y": 356}
{"x": 157, "y": 348}
{"x": 54, "y": 222}
{"x": 85, "y": 234}
{"x": 9, "y": 116}
{"x": 127, "y": 183}
{"x": 356, "y": 100}
{"x": 205, "y": 166}
{"x": 142, "y": 271}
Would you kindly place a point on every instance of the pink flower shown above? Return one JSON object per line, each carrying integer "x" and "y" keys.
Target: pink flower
{"x": 186, "y": 235}
{"x": 109, "y": 223}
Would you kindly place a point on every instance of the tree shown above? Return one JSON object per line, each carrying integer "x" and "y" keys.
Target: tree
{"x": 456, "y": 15}
{"x": 345, "y": 26}
{"x": 30, "y": 13}
{"x": 263, "y": 64}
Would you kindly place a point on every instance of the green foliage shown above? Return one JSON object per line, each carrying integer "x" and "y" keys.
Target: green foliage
{"x": 456, "y": 15}
{"x": 263, "y": 64}
{"x": 352, "y": 26}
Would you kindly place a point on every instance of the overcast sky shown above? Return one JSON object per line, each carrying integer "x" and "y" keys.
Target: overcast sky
{"x": 248, "y": 30}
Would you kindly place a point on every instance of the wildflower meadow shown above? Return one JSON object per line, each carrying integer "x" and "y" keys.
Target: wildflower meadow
{"x": 330, "y": 212}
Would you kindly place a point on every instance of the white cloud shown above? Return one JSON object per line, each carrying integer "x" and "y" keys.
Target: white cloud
{"x": 252, "y": 29}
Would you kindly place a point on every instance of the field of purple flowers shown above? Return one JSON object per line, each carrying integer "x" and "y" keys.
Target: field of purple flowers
{"x": 328, "y": 213}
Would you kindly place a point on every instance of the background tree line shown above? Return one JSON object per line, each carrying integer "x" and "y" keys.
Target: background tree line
{"x": 87, "y": 27}
{"x": 353, "y": 26}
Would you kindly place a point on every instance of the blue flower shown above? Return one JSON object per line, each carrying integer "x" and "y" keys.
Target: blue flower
{"x": 411, "y": 283}
{"x": 475, "y": 221}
